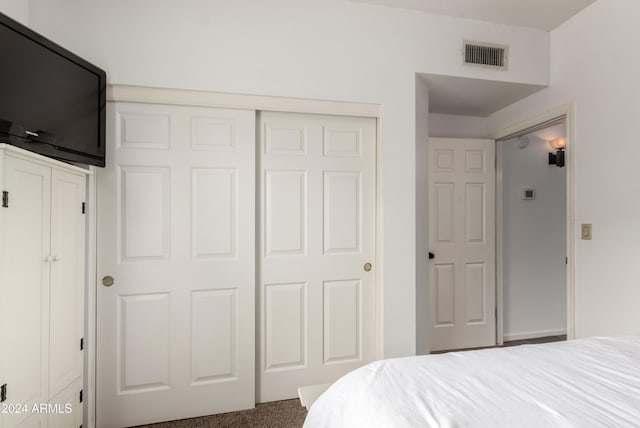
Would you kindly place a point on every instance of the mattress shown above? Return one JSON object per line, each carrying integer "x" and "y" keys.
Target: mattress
{"x": 584, "y": 383}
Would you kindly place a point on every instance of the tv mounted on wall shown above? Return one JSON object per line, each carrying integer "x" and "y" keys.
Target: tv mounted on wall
{"x": 52, "y": 102}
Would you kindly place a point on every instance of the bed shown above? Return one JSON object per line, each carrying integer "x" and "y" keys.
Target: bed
{"x": 588, "y": 383}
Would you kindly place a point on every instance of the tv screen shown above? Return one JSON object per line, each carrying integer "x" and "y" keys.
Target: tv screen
{"x": 51, "y": 101}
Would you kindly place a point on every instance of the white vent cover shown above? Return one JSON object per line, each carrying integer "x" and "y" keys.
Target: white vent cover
{"x": 485, "y": 54}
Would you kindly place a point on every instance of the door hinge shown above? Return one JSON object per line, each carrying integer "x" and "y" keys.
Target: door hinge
{"x": 82, "y": 343}
{"x": 84, "y": 207}
{"x": 3, "y": 393}
{"x": 81, "y": 395}
{"x": 5, "y": 199}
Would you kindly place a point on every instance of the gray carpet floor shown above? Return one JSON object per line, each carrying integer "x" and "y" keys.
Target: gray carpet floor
{"x": 278, "y": 414}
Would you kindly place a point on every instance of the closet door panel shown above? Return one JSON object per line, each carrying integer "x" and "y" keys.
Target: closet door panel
{"x": 176, "y": 226}
{"x": 316, "y": 290}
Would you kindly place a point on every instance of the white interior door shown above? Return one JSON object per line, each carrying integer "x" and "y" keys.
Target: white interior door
{"x": 462, "y": 238}
{"x": 176, "y": 227}
{"x": 317, "y": 232}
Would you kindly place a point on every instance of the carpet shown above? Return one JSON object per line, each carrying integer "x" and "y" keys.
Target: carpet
{"x": 277, "y": 414}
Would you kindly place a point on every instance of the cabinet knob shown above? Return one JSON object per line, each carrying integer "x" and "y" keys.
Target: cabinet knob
{"x": 367, "y": 267}
{"x": 107, "y": 281}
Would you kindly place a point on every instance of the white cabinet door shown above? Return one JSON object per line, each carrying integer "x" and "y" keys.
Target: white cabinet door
{"x": 41, "y": 283}
{"x": 24, "y": 299}
{"x": 67, "y": 279}
{"x": 65, "y": 410}
{"x": 317, "y": 232}
{"x": 462, "y": 238}
{"x": 176, "y": 224}
{"x": 35, "y": 420}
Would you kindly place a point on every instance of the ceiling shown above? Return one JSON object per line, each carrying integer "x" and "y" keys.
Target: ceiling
{"x": 473, "y": 97}
{"x": 541, "y": 14}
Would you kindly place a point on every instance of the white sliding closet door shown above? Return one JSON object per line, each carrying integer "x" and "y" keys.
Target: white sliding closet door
{"x": 317, "y": 233}
{"x": 176, "y": 227}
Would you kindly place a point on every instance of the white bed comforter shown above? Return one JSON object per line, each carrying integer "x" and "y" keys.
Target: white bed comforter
{"x": 585, "y": 383}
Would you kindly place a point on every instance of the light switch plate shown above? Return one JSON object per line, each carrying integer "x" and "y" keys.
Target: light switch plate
{"x": 585, "y": 231}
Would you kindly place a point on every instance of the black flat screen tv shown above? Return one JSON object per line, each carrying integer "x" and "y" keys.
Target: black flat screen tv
{"x": 52, "y": 101}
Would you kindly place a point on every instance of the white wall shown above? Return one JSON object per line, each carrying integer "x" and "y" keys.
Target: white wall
{"x": 593, "y": 66}
{"x": 16, "y": 9}
{"x": 534, "y": 241}
{"x": 317, "y": 49}
{"x": 452, "y": 126}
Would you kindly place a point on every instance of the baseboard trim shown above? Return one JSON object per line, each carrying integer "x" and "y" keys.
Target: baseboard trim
{"x": 532, "y": 334}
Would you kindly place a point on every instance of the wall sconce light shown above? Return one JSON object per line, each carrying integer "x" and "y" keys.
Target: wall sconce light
{"x": 557, "y": 158}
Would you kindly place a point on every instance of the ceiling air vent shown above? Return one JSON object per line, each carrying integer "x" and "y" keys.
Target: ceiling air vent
{"x": 485, "y": 54}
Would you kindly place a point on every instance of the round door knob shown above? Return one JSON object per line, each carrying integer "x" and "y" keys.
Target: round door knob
{"x": 107, "y": 281}
{"x": 367, "y": 267}
{"x": 431, "y": 255}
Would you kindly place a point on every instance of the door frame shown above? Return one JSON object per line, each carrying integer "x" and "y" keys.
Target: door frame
{"x": 141, "y": 94}
{"x": 568, "y": 111}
